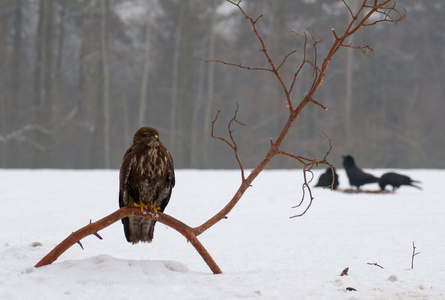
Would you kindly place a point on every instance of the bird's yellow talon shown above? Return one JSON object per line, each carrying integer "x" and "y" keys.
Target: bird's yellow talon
{"x": 141, "y": 205}
{"x": 153, "y": 208}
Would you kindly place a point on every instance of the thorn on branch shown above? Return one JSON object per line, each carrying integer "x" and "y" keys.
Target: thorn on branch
{"x": 95, "y": 233}
{"x": 80, "y": 244}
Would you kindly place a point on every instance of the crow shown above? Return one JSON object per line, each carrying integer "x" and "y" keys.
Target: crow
{"x": 356, "y": 176}
{"x": 396, "y": 180}
{"x": 325, "y": 179}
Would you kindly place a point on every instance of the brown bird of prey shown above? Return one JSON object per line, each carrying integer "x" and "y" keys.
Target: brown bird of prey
{"x": 146, "y": 180}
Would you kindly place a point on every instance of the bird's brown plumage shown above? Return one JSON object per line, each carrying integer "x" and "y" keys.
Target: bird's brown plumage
{"x": 147, "y": 175}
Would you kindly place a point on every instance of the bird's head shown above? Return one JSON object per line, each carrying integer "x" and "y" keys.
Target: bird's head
{"x": 348, "y": 161}
{"x": 146, "y": 135}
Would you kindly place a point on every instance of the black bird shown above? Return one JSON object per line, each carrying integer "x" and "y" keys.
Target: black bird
{"x": 356, "y": 176}
{"x": 325, "y": 179}
{"x": 396, "y": 180}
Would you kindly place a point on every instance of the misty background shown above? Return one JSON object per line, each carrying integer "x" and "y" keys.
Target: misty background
{"x": 79, "y": 77}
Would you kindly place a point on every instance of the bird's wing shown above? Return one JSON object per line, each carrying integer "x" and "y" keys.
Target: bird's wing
{"x": 125, "y": 171}
{"x": 164, "y": 195}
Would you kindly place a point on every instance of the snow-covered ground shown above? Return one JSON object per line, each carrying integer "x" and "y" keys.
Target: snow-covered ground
{"x": 262, "y": 252}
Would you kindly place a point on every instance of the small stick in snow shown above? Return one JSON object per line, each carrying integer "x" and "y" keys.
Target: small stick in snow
{"x": 412, "y": 257}
{"x": 375, "y": 264}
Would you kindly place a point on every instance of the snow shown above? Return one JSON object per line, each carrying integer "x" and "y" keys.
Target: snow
{"x": 262, "y": 252}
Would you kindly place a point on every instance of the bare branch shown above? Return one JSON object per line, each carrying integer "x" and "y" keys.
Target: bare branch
{"x": 19, "y": 135}
{"x": 385, "y": 9}
{"x": 232, "y": 144}
{"x": 319, "y": 104}
{"x": 330, "y": 146}
{"x": 308, "y": 164}
{"x": 319, "y": 73}
{"x": 351, "y": 13}
{"x": 93, "y": 228}
{"x": 286, "y": 57}
{"x": 236, "y": 65}
{"x": 264, "y": 50}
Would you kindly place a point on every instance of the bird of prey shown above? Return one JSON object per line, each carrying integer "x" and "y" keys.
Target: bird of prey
{"x": 396, "y": 180}
{"x": 146, "y": 180}
{"x": 325, "y": 179}
{"x": 356, "y": 176}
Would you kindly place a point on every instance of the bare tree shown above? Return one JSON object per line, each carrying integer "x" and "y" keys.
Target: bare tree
{"x": 349, "y": 81}
{"x": 146, "y": 70}
{"x": 105, "y": 7}
{"x": 368, "y": 14}
{"x": 210, "y": 86}
{"x": 175, "y": 77}
{"x": 3, "y": 68}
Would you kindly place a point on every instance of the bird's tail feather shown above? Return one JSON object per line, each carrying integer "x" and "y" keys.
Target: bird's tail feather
{"x": 415, "y": 185}
{"x": 139, "y": 229}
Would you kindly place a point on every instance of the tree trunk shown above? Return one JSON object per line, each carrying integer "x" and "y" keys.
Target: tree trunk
{"x": 145, "y": 72}
{"x": 187, "y": 89}
{"x": 196, "y": 146}
{"x": 43, "y": 80}
{"x": 105, "y": 6}
{"x": 16, "y": 58}
{"x": 175, "y": 81}
{"x": 3, "y": 119}
{"x": 208, "y": 114}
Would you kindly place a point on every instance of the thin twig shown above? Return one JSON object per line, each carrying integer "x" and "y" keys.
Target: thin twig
{"x": 375, "y": 264}
{"x": 236, "y": 65}
{"x": 273, "y": 68}
{"x": 412, "y": 256}
{"x": 232, "y": 144}
{"x": 308, "y": 164}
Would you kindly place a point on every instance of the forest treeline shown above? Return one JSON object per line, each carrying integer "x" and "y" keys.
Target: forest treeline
{"x": 78, "y": 78}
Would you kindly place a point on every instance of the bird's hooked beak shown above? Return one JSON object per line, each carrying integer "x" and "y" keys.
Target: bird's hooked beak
{"x": 156, "y": 138}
